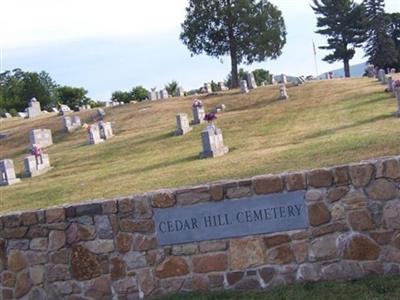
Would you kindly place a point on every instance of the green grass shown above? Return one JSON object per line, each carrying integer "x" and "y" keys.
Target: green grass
{"x": 322, "y": 124}
{"x": 384, "y": 288}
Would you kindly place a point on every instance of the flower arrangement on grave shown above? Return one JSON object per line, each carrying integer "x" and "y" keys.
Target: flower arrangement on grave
{"x": 396, "y": 84}
{"x": 210, "y": 118}
{"x": 197, "y": 103}
{"x": 36, "y": 150}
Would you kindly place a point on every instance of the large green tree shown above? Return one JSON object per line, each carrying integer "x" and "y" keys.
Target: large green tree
{"x": 343, "y": 22}
{"x": 71, "y": 96}
{"x": 380, "y": 48}
{"x": 247, "y": 30}
{"x": 18, "y": 87}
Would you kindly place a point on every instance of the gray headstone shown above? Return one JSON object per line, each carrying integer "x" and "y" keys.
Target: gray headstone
{"x": 198, "y": 115}
{"x": 182, "y": 124}
{"x": 243, "y": 87}
{"x": 283, "y": 79}
{"x": 212, "y": 142}
{"x": 7, "y": 173}
{"x": 71, "y": 123}
{"x": 163, "y": 94}
{"x": 41, "y": 137}
{"x": 381, "y": 75}
{"x": 152, "y": 95}
{"x": 34, "y": 109}
{"x": 36, "y": 165}
{"x": 222, "y": 87}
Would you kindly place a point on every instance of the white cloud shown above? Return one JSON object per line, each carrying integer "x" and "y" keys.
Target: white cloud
{"x": 27, "y": 22}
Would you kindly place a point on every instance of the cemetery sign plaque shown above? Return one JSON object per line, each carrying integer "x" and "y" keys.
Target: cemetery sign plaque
{"x": 231, "y": 218}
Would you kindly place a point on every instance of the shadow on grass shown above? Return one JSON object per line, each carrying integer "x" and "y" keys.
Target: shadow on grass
{"x": 331, "y": 131}
{"x": 371, "y": 101}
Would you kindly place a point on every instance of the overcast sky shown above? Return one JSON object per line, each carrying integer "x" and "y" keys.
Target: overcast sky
{"x": 104, "y": 45}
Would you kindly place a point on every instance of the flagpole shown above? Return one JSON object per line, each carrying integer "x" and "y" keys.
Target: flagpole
{"x": 315, "y": 60}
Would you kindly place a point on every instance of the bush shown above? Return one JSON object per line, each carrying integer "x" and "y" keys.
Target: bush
{"x": 13, "y": 112}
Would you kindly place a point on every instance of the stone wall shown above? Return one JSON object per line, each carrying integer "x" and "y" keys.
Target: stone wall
{"x": 108, "y": 249}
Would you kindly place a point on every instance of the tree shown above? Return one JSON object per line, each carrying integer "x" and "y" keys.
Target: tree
{"x": 121, "y": 96}
{"x": 261, "y": 75}
{"x": 18, "y": 87}
{"x": 139, "y": 93}
{"x": 380, "y": 47}
{"x": 343, "y": 22}
{"x": 172, "y": 87}
{"x": 248, "y": 30}
{"x": 71, "y": 96}
{"x": 241, "y": 76}
{"x": 395, "y": 34}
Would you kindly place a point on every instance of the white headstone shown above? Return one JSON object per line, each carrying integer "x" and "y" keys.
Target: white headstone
{"x": 152, "y": 95}
{"x": 222, "y": 87}
{"x": 381, "y": 75}
{"x": 283, "y": 79}
{"x": 251, "y": 82}
{"x": 182, "y": 124}
{"x": 207, "y": 88}
{"x": 283, "y": 92}
{"x": 7, "y": 172}
{"x": 163, "y": 94}
{"x": 105, "y": 130}
{"x": 71, "y": 123}
{"x": 94, "y": 134}
{"x": 180, "y": 92}
{"x": 243, "y": 87}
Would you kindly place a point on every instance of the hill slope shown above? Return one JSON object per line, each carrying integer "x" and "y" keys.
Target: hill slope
{"x": 323, "y": 123}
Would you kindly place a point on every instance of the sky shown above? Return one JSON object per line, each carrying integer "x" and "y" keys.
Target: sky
{"x": 105, "y": 46}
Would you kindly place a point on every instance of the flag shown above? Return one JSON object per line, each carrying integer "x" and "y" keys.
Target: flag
{"x": 315, "y": 50}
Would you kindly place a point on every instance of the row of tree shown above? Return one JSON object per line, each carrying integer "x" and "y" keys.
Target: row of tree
{"x": 350, "y": 25}
{"x": 18, "y": 87}
{"x": 254, "y": 30}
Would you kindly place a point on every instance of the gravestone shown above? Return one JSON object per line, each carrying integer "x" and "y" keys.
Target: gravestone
{"x": 107, "y": 104}
{"x": 207, "y": 88}
{"x": 397, "y": 94}
{"x": 381, "y": 75}
{"x": 22, "y": 114}
{"x": 390, "y": 84}
{"x": 222, "y": 87}
{"x": 100, "y": 114}
{"x": 243, "y": 87}
{"x": 283, "y": 79}
{"x": 41, "y": 137}
{"x": 251, "y": 82}
{"x": 34, "y": 109}
{"x": 7, "y": 173}
{"x": 105, "y": 130}
{"x": 273, "y": 81}
{"x": 53, "y": 109}
{"x": 64, "y": 109}
{"x": 36, "y": 165}
{"x": 219, "y": 108}
{"x": 180, "y": 92}
{"x": 152, "y": 95}
{"x": 370, "y": 70}
{"x": 198, "y": 115}
{"x": 212, "y": 142}
{"x": 71, "y": 123}
{"x": 7, "y": 115}
{"x": 94, "y": 134}
{"x": 283, "y": 92}
{"x": 182, "y": 124}
{"x": 163, "y": 94}
{"x": 392, "y": 70}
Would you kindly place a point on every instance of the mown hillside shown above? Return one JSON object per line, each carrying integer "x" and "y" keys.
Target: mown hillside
{"x": 323, "y": 123}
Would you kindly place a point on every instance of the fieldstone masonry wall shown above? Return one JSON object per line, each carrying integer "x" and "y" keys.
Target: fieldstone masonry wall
{"x": 108, "y": 249}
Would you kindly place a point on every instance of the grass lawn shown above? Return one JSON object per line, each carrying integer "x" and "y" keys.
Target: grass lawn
{"x": 322, "y": 124}
{"x": 384, "y": 288}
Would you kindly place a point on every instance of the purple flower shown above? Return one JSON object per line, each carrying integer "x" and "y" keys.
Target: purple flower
{"x": 197, "y": 103}
{"x": 209, "y": 117}
{"x": 396, "y": 84}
